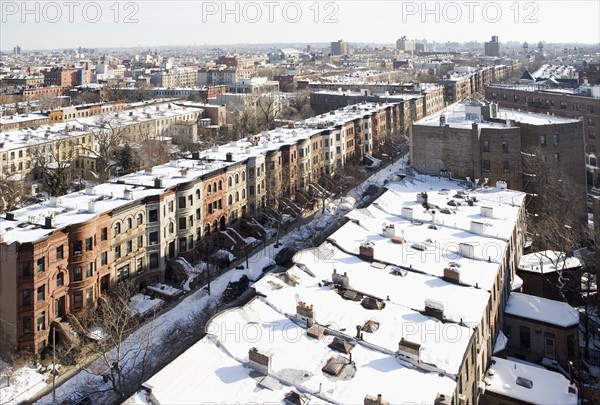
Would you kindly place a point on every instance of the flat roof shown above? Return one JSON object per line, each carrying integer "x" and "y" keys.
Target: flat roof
{"x": 529, "y": 383}
{"x": 542, "y": 309}
{"x": 455, "y": 117}
{"x": 548, "y": 261}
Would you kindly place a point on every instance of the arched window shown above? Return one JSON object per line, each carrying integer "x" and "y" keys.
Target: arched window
{"x": 237, "y": 178}
{"x": 229, "y": 181}
{"x": 220, "y": 185}
{"x": 244, "y": 176}
{"x": 129, "y": 223}
{"x": 237, "y": 196}
{"x": 230, "y": 200}
{"x": 209, "y": 190}
{"x": 117, "y": 228}
{"x": 243, "y": 193}
{"x": 60, "y": 279}
{"x": 140, "y": 219}
{"x": 215, "y": 186}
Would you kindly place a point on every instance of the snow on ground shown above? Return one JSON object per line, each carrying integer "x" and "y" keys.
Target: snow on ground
{"x": 161, "y": 328}
{"x": 25, "y": 382}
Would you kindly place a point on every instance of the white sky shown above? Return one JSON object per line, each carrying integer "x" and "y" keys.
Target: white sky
{"x": 158, "y": 23}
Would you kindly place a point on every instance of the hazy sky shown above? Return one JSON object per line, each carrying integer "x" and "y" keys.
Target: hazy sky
{"x": 69, "y": 24}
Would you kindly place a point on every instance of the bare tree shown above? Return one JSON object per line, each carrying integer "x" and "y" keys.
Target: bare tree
{"x": 557, "y": 209}
{"x": 108, "y": 133}
{"x": 52, "y": 163}
{"x": 123, "y": 363}
{"x": 12, "y": 193}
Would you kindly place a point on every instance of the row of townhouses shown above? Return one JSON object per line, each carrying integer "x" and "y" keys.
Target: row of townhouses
{"x": 59, "y": 256}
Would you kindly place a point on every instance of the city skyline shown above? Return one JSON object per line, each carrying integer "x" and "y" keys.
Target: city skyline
{"x": 194, "y": 23}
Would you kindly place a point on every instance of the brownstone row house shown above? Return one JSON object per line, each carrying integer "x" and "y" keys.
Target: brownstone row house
{"x": 58, "y": 257}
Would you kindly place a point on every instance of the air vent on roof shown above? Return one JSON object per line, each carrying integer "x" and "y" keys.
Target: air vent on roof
{"x": 466, "y": 250}
{"x": 10, "y": 216}
{"x": 407, "y": 213}
{"x": 378, "y": 400}
{"x": 487, "y": 212}
{"x": 341, "y": 280}
{"x": 477, "y": 227}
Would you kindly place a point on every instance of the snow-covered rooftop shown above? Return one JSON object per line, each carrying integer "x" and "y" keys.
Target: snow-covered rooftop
{"x": 456, "y": 117}
{"x": 548, "y": 261}
{"x": 15, "y": 139}
{"x": 529, "y": 384}
{"x": 77, "y": 207}
{"x": 542, "y": 310}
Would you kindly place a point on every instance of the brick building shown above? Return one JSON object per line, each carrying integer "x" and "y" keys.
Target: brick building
{"x": 581, "y": 104}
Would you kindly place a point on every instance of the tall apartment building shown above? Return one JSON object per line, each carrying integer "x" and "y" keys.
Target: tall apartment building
{"x": 67, "y": 76}
{"x": 58, "y": 257}
{"x": 406, "y": 45}
{"x": 581, "y": 104}
{"x": 590, "y": 74}
{"x": 339, "y": 48}
{"x": 493, "y": 47}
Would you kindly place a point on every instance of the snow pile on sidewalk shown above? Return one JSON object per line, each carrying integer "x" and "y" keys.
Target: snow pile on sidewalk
{"x": 24, "y": 382}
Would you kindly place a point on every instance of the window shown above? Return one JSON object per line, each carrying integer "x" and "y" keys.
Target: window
{"x": 77, "y": 274}
{"x": 563, "y": 105}
{"x": 504, "y": 146}
{"x": 485, "y": 146}
{"x": 575, "y": 106}
{"x": 153, "y": 260}
{"x": 251, "y": 190}
{"x": 26, "y": 326}
{"x": 153, "y": 238}
{"x": 555, "y": 139}
{"x": 26, "y": 269}
{"x": 117, "y": 228}
{"x": 41, "y": 265}
{"x": 122, "y": 273}
{"x": 182, "y": 244}
{"x": 556, "y": 156}
{"x": 229, "y": 181}
{"x": 170, "y": 206}
{"x": 104, "y": 234}
{"x": 524, "y": 337}
{"x": 26, "y": 297}
{"x": 41, "y": 321}
{"x": 153, "y": 215}
{"x": 140, "y": 242}
{"x": 209, "y": 190}
{"x": 89, "y": 270}
{"x": 104, "y": 258}
{"x": 182, "y": 223}
{"x": 88, "y": 244}
{"x": 77, "y": 300}
{"x": 41, "y": 293}
{"x": 60, "y": 252}
{"x": 542, "y": 140}
{"x": 230, "y": 200}
{"x": 117, "y": 251}
{"x": 140, "y": 219}
{"x": 181, "y": 203}
{"x": 486, "y": 166}
{"x": 590, "y": 108}
{"x": 571, "y": 345}
{"x": 506, "y": 166}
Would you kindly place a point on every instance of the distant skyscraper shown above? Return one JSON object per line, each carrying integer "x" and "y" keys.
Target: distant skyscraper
{"x": 17, "y": 50}
{"x": 339, "y": 48}
{"x": 406, "y": 45}
{"x": 493, "y": 48}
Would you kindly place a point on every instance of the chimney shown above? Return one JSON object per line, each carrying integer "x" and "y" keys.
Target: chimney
{"x": 422, "y": 198}
{"x": 127, "y": 194}
{"x": 92, "y": 206}
{"x": 434, "y": 309}
{"x": 157, "y": 183}
{"x": 487, "y": 212}
{"x": 477, "y": 228}
{"x": 229, "y": 157}
{"x": 305, "y": 312}
{"x": 260, "y": 362}
{"x": 358, "y": 329}
{"x": 466, "y": 250}
{"x": 452, "y": 275}
{"x": 367, "y": 251}
{"x": 407, "y": 213}
{"x": 49, "y": 223}
{"x": 10, "y": 216}
{"x": 378, "y": 400}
